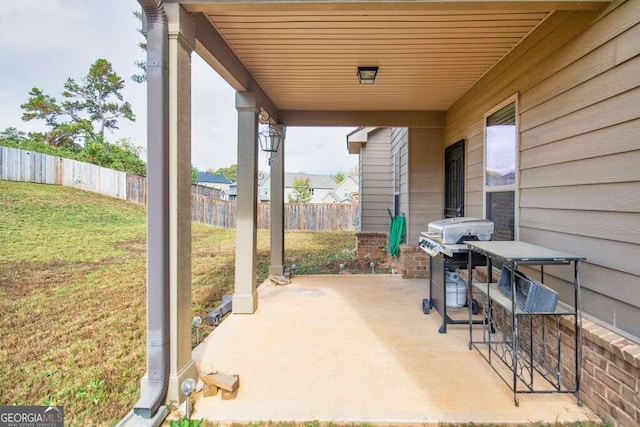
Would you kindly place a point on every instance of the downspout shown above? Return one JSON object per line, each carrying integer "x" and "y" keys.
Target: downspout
{"x": 157, "y": 27}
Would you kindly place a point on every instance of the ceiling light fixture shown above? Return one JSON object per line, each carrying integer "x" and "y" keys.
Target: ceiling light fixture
{"x": 367, "y": 75}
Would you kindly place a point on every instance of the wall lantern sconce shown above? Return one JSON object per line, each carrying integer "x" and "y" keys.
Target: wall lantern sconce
{"x": 367, "y": 75}
{"x": 270, "y": 139}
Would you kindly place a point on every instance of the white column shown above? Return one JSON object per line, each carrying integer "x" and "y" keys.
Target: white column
{"x": 245, "y": 297}
{"x": 276, "y": 264}
{"x": 181, "y": 44}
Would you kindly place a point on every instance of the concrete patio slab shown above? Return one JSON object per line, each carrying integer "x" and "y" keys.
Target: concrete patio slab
{"x": 357, "y": 348}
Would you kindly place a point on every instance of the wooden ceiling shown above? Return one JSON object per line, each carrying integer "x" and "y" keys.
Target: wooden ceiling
{"x": 305, "y": 58}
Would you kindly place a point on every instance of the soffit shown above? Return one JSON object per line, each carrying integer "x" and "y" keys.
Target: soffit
{"x": 305, "y": 57}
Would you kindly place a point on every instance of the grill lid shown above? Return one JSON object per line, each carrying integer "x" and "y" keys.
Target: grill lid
{"x": 457, "y": 230}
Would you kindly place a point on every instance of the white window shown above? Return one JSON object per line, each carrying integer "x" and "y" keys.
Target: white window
{"x": 501, "y": 169}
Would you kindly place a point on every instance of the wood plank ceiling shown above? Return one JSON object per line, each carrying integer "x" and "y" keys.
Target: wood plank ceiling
{"x": 307, "y": 59}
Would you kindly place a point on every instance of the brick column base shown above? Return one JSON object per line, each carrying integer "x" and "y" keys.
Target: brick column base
{"x": 371, "y": 246}
{"x": 413, "y": 263}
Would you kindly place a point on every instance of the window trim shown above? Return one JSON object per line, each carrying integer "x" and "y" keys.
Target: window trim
{"x": 395, "y": 179}
{"x": 511, "y": 187}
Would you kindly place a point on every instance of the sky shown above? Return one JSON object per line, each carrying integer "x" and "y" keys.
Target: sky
{"x": 43, "y": 42}
{"x": 501, "y": 148}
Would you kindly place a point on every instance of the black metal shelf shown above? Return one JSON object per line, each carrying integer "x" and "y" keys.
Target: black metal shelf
{"x": 528, "y": 344}
{"x": 505, "y": 302}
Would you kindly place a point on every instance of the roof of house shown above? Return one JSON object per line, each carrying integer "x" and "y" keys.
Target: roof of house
{"x": 315, "y": 181}
{"x": 338, "y": 198}
{"x": 215, "y": 179}
{"x": 350, "y": 177}
{"x": 331, "y": 197}
{"x": 357, "y": 138}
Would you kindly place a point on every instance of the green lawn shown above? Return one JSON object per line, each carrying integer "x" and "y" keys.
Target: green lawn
{"x": 72, "y": 294}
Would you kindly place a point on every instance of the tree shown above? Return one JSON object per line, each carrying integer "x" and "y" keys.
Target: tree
{"x": 195, "y": 174}
{"x": 141, "y": 64}
{"x": 302, "y": 191}
{"x": 98, "y": 98}
{"x": 230, "y": 172}
{"x": 339, "y": 177}
{"x": 66, "y": 127}
{"x": 12, "y": 135}
{"x": 122, "y": 156}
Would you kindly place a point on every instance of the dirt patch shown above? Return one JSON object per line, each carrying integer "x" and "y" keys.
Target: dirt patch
{"x": 19, "y": 279}
{"x": 133, "y": 247}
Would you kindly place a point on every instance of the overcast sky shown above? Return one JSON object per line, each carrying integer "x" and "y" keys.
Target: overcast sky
{"x": 42, "y": 42}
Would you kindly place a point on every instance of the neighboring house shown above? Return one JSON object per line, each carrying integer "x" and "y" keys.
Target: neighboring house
{"x": 233, "y": 191}
{"x": 345, "y": 191}
{"x": 321, "y": 186}
{"x": 220, "y": 182}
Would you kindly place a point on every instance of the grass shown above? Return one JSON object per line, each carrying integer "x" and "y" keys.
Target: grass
{"x": 72, "y": 294}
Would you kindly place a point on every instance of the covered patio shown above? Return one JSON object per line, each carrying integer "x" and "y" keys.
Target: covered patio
{"x": 361, "y": 348}
{"x": 357, "y": 348}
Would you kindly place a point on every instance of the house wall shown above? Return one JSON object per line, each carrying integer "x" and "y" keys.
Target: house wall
{"x": 317, "y": 197}
{"x": 347, "y": 187}
{"x": 344, "y": 191}
{"x": 375, "y": 186}
{"x": 578, "y": 83}
{"x": 222, "y": 187}
{"x": 419, "y": 154}
{"x": 426, "y": 180}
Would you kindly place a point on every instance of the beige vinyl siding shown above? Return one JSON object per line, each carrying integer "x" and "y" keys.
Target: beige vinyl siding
{"x": 426, "y": 180}
{"x": 474, "y": 172}
{"x": 578, "y": 81}
{"x": 375, "y": 182}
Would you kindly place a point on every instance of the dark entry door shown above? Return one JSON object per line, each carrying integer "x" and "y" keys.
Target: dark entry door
{"x": 454, "y": 180}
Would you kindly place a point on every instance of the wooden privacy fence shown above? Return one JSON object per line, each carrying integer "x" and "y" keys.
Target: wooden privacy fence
{"x": 319, "y": 216}
{"x": 29, "y": 166}
{"x": 137, "y": 189}
{"x": 297, "y": 216}
{"x": 206, "y": 206}
{"x": 210, "y": 211}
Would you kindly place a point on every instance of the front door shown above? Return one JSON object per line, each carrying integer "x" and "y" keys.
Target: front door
{"x": 454, "y": 180}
